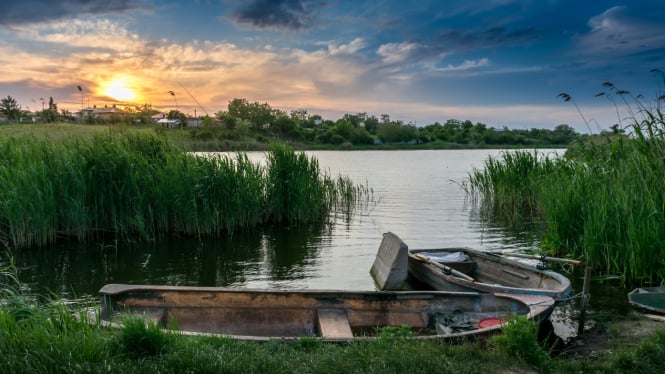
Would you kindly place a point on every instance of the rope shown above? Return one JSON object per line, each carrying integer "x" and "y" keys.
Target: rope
{"x": 559, "y": 301}
{"x": 578, "y": 296}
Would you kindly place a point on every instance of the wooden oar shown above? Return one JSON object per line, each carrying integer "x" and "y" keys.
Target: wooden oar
{"x": 446, "y": 269}
{"x": 536, "y": 257}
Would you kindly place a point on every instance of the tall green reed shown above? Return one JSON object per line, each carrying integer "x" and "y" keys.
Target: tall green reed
{"x": 603, "y": 203}
{"x": 140, "y": 186}
{"x": 298, "y": 191}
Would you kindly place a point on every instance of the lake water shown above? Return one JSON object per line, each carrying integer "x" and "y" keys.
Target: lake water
{"x": 416, "y": 195}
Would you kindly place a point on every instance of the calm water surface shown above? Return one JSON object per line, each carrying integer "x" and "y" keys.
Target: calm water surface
{"x": 416, "y": 194}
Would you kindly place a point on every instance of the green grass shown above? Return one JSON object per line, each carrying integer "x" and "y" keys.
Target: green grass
{"x": 603, "y": 204}
{"x": 133, "y": 185}
{"x": 50, "y": 337}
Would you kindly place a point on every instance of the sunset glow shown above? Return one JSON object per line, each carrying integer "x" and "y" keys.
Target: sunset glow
{"x": 117, "y": 89}
{"x": 501, "y": 63}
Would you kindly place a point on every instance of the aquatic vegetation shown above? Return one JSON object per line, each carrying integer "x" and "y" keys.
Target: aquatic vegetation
{"x": 141, "y": 186}
{"x": 602, "y": 203}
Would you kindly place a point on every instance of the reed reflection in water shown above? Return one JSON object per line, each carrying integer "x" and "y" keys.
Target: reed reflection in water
{"x": 416, "y": 195}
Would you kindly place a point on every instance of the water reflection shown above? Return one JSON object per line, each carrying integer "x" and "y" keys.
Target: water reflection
{"x": 273, "y": 257}
{"x": 417, "y": 195}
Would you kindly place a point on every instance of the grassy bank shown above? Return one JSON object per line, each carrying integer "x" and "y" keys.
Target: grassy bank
{"x": 603, "y": 204}
{"x": 139, "y": 185}
{"x": 49, "y": 336}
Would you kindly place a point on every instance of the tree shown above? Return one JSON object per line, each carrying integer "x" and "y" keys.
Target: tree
{"x": 10, "y": 108}
{"x": 256, "y": 113}
{"x": 389, "y": 132}
{"x": 343, "y": 128}
{"x": 371, "y": 124}
{"x": 178, "y": 115}
{"x": 299, "y": 116}
{"x": 51, "y": 104}
{"x": 563, "y": 134}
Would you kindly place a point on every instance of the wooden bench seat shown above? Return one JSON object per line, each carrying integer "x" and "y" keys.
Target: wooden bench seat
{"x": 332, "y": 323}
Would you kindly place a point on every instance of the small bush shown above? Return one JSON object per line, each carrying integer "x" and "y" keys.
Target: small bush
{"x": 141, "y": 339}
{"x": 519, "y": 339}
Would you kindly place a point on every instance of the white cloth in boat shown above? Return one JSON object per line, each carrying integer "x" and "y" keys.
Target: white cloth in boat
{"x": 458, "y": 256}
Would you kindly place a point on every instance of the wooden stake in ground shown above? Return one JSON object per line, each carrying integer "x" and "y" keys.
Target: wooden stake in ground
{"x": 585, "y": 299}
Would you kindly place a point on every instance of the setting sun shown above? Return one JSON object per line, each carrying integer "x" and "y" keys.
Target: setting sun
{"x": 118, "y": 90}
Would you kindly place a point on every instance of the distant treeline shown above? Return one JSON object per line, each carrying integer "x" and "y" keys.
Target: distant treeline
{"x": 244, "y": 120}
{"x": 259, "y": 120}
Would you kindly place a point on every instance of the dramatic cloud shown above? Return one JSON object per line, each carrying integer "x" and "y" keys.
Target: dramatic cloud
{"x": 19, "y": 12}
{"x": 487, "y": 62}
{"x": 616, "y": 32}
{"x": 276, "y": 14}
{"x": 98, "y": 34}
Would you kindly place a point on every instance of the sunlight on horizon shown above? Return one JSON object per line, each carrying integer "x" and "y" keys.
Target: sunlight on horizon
{"x": 118, "y": 89}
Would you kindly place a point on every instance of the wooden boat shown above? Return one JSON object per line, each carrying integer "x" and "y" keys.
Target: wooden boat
{"x": 261, "y": 315}
{"x": 465, "y": 269}
{"x": 648, "y": 298}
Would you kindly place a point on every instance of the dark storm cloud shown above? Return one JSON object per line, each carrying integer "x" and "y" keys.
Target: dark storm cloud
{"x": 276, "y": 14}
{"x": 19, "y": 12}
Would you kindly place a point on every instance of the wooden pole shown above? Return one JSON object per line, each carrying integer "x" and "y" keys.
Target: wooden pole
{"x": 585, "y": 299}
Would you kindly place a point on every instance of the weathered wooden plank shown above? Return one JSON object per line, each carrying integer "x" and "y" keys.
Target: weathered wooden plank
{"x": 390, "y": 267}
{"x": 333, "y": 324}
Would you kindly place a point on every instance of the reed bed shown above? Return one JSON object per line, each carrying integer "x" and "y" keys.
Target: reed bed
{"x": 140, "y": 186}
{"x": 605, "y": 205}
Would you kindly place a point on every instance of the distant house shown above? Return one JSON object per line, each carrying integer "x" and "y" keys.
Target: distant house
{"x": 3, "y": 118}
{"x": 169, "y": 123}
{"x": 157, "y": 117}
{"x": 103, "y": 113}
{"x": 193, "y": 122}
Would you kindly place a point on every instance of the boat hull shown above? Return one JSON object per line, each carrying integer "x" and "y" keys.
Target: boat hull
{"x": 648, "y": 298}
{"x": 326, "y": 314}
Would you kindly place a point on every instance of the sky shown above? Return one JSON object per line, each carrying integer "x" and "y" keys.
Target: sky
{"x": 499, "y": 62}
